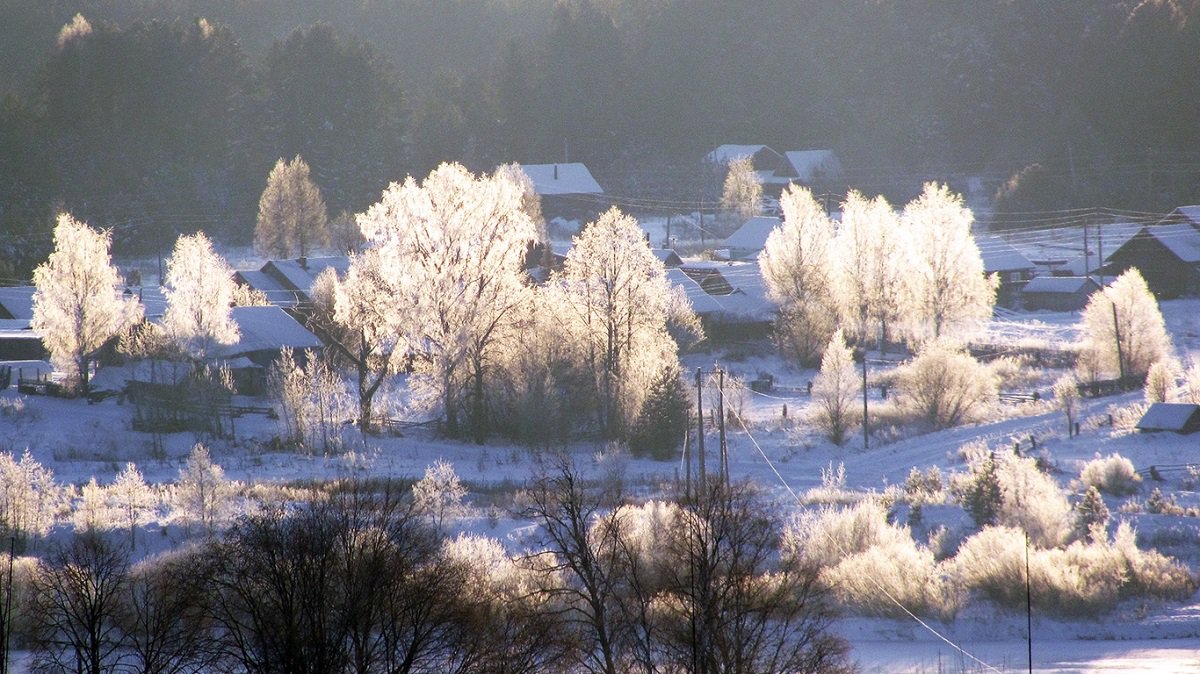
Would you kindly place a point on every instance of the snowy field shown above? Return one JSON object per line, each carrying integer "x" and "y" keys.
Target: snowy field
{"x": 79, "y": 441}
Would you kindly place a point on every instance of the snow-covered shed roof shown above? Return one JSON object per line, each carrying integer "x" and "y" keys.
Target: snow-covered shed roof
{"x": 667, "y": 256}
{"x": 1178, "y": 417}
{"x": 1183, "y": 240}
{"x": 552, "y": 179}
{"x": 1060, "y": 285}
{"x": 301, "y": 273}
{"x": 267, "y": 329}
{"x": 808, "y": 164}
{"x": 724, "y": 154}
{"x": 17, "y": 302}
{"x": 999, "y": 255}
{"x": 753, "y": 233}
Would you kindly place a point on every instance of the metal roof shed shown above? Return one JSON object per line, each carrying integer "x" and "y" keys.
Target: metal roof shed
{"x": 1182, "y": 418}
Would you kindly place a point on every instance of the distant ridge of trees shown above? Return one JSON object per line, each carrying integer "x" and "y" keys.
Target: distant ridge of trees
{"x": 161, "y": 117}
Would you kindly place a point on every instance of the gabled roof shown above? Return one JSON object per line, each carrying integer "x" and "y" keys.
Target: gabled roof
{"x": 274, "y": 290}
{"x": 266, "y": 329}
{"x": 1178, "y": 417}
{"x": 741, "y": 291}
{"x": 808, "y": 164}
{"x": 724, "y": 154}
{"x": 753, "y": 233}
{"x": 17, "y": 302}
{"x": 300, "y": 274}
{"x": 1000, "y": 256}
{"x": 552, "y": 179}
{"x": 1189, "y": 214}
{"x": 1060, "y": 285}
{"x": 667, "y": 256}
{"x": 1183, "y": 240}
{"x": 702, "y": 303}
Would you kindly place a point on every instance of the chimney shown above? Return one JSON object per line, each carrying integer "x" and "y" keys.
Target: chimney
{"x": 303, "y": 263}
{"x": 556, "y": 171}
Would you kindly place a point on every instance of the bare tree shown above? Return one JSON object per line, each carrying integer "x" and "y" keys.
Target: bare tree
{"x": 291, "y": 212}
{"x": 202, "y": 492}
{"x": 78, "y": 305}
{"x": 76, "y": 597}
{"x": 163, "y": 615}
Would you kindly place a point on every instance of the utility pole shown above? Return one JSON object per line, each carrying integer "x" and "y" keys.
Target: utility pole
{"x": 668, "y": 243}
{"x": 1087, "y": 260}
{"x": 700, "y": 427}
{"x": 866, "y": 428}
{"x": 721, "y": 425}
{"x": 1100, "y": 253}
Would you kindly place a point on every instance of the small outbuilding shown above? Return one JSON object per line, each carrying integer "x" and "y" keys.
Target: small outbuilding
{"x": 1058, "y": 293}
{"x": 1182, "y": 418}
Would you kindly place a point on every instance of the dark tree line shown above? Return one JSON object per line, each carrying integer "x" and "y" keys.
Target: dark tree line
{"x": 354, "y": 582}
{"x": 154, "y": 121}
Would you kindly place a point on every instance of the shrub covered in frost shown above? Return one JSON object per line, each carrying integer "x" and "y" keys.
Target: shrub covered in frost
{"x": 1113, "y": 474}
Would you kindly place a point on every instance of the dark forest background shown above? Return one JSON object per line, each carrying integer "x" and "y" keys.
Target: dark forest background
{"x": 157, "y": 117}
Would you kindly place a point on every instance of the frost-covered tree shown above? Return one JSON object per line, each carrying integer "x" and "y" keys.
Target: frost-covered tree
{"x": 78, "y": 305}
{"x": 311, "y": 402}
{"x": 614, "y": 297}
{"x": 869, "y": 262}
{"x": 291, "y": 212}
{"x": 1191, "y": 384}
{"x": 202, "y": 494}
{"x": 795, "y": 265}
{"x": 1160, "y": 383}
{"x": 1091, "y": 515}
{"x": 439, "y": 494}
{"x": 982, "y": 496}
{"x": 29, "y": 496}
{"x": 836, "y": 390}
{"x": 447, "y": 279}
{"x": 1066, "y": 396}
{"x": 742, "y": 193}
{"x": 531, "y": 201}
{"x": 948, "y": 290}
{"x": 945, "y": 386}
{"x": 131, "y": 498}
{"x": 200, "y": 294}
{"x": 1123, "y": 330}
{"x": 91, "y": 512}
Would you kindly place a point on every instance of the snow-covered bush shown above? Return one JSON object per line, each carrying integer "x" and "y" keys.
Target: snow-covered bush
{"x": 1066, "y": 396}
{"x": 945, "y": 386}
{"x": 1160, "y": 383}
{"x": 439, "y": 494}
{"x": 1033, "y": 501}
{"x": 1091, "y": 515}
{"x": 311, "y": 402}
{"x": 833, "y": 487}
{"x": 925, "y": 487}
{"x": 827, "y": 536}
{"x": 899, "y": 572}
{"x": 1083, "y": 579}
{"x": 1113, "y": 474}
{"x": 835, "y": 391}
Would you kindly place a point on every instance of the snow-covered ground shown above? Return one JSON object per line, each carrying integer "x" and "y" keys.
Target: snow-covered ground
{"x": 79, "y": 441}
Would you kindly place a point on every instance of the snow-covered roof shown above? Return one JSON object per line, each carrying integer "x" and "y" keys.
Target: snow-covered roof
{"x": 808, "y": 163}
{"x": 17, "y": 301}
{"x": 667, "y": 256}
{"x": 153, "y": 299}
{"x": 753, "y": 233}
{"x": 1189, "y": 213}
{"x": 727, "y": 153}
{"x": 999, "y": 255}
{"x": 1059, "y": 284}
{"x": 551, "y": 179}
{"x": 1183, "y": 240}
{"x": 267, "y": 329}
{"x": 1178, "y": 417}
{"x": 702, "y": 303}
{"x": 267, "y": 285}
{"x": 303, "y": 272}
{"x": 747, "y": 296}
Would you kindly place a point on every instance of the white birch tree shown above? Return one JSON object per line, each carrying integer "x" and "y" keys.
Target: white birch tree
{"x": 439, "y": 494}
{"x": 1123, "y": 331}
{"x": 795, "y": 265}
{"x": 449, "y": 262}
{"x": 78, "y": 305}
{"x": 868, "y": 261}
{"x": 614, "y": 298}
{"x": 29, "y": 496}
{"x": 200, "y": 296}
{"x": 291, "y": 212}
{"x": 948, "y": 291}
{"x": 836, "y": 390}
